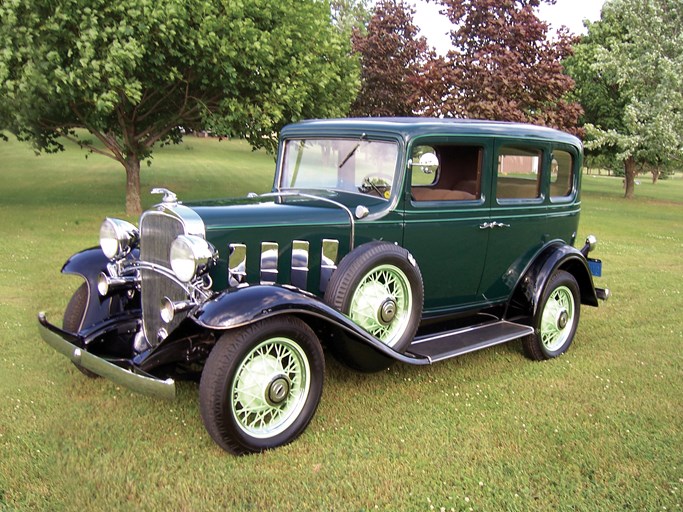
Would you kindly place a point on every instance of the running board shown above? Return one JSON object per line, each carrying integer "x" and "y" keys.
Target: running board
{"x": 445, "y": 345}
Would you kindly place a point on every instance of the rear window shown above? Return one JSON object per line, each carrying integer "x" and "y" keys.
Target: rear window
{"x": 561, "y": 175}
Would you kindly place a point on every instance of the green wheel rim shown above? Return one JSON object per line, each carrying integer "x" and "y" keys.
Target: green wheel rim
{"x": 270, "y": 387}
{"x": 382, "y": 303}
{"x": 557, "y": 320}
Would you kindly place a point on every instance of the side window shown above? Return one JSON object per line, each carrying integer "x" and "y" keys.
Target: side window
{"x": 561, "y": 174}
{"x": 519, "y": 173}
{"x": 446, "y": 172}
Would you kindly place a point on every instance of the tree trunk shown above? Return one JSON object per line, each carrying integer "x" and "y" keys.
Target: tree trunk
{"x": 655, "y": 174}
{"x": 133, "y": 203}
{"x": 630, "y": 178}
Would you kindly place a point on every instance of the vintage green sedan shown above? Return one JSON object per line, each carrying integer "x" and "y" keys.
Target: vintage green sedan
{"x": 383, "y": 240}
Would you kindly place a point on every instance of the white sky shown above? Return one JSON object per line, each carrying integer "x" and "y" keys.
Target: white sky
{"x": 571, "y": 13}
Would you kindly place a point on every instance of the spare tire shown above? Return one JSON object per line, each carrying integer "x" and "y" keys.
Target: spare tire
{"x": 379, "y": 286}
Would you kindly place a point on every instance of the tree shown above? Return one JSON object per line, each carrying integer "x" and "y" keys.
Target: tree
{"x": 350, "y": 16}
{"x": 133, "y": 72}
{"x": 502, "y": 66}
{"x": 633, "y": 63}
{"x": 392, "y": 56}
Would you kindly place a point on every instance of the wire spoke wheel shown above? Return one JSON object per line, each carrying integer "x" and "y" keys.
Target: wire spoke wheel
{"x": 382, "y": 302}
{"x": 558, "y": 318}
{"x": 261, "y": 384}
{"x": 270, "y": 387}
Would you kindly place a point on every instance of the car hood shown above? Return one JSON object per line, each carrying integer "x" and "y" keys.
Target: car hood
{"x": 283, "y": 210}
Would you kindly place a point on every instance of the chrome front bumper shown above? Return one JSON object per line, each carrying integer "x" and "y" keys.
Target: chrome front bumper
{"x": 145, "y": 384}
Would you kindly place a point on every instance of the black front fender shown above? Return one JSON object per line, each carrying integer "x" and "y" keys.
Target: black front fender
{"x": 239, "y": 307}
{"x": 89, "y": 264}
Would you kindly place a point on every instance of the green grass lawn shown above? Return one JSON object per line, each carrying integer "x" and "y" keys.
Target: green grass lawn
{"x": 596, "y": 429}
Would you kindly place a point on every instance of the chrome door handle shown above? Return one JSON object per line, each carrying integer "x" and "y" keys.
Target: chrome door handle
{"x": 491, "y": 225}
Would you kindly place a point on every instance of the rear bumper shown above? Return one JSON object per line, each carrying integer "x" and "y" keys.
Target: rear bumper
{"x": 134, "y": 379}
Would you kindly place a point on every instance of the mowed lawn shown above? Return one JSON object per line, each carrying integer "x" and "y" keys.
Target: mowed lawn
{"x": 599, "y": 428}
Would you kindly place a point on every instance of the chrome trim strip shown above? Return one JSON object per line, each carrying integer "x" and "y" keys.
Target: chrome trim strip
{"x": 352, "y": 220}
{"x": 144, "y": 384}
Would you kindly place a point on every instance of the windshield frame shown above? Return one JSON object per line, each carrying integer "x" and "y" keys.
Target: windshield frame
{"x": 347, "y": 151}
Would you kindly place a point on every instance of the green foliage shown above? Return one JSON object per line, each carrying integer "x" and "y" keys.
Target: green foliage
{"x": 598, "y": 428}
{"x": 350, "y": 16}
{"x": 629, "y": 71}
{"x": 133, "y": 71}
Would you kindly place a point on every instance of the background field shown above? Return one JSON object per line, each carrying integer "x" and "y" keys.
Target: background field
{"x": 597, "y": 429}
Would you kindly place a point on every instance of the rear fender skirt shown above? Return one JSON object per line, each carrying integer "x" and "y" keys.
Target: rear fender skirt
{"x": 555, "y": 256}
{"x": 89, "y": 264}
{"x": 242, "y": 306}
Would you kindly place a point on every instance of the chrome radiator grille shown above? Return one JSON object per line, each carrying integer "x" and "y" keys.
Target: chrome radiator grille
{"x": 157, "y": 232}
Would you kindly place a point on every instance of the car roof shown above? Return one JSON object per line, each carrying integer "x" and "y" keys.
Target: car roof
{"x": 411, "y": 127}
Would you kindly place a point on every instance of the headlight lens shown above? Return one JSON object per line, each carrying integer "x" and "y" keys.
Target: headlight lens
{"x": 117, "y": 237}
{"x": 191, "y": 255}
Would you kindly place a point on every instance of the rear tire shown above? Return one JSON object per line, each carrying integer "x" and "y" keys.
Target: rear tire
{"x": 73, "y": 318}
{"x": 261, "y": 385}
{"x": 556, "y": 318}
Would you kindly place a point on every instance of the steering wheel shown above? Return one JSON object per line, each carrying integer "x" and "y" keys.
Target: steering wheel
{"x": 379, "y": 183}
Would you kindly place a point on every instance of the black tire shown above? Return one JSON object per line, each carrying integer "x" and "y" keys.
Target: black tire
{"x": 560, "y": 304}
{"x": 273, "y": 368}
{"x": 73, "y": 318}
{"x": 389, "y": 278}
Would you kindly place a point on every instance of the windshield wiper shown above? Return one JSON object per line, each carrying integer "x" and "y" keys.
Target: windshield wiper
{"x": 352, "y": 152}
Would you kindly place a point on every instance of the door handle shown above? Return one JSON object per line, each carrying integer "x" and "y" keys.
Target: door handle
{"x": 491, "y": 225}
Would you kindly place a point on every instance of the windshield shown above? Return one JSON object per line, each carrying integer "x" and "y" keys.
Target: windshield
{"x": 340, "y": 164}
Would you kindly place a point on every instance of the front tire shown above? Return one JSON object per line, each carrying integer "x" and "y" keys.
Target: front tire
{"x": 556, "y": 318}
{"x": 73, "y": 318}
{"x": 261, "y": 385}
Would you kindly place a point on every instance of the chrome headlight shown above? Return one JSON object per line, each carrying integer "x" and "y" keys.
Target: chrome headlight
{"x": 191, "y": 256}
{"x": 117, "y": 237}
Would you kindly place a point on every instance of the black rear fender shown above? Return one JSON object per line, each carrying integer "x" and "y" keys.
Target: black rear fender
{"x": 555, "y": 256}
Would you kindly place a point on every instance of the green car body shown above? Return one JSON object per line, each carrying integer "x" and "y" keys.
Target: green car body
{"x": 384, "y": 240}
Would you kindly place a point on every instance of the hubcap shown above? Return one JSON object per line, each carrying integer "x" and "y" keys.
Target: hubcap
{"x": 382, "y": 302}
{"x": 270, "y": 387}
{"x": 278, "y": 390}
{"x": 387, "y": 312}
{"x": 557, "y": 320}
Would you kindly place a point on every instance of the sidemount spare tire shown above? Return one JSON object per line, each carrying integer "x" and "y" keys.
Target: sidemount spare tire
{"x": 379, "y": 286}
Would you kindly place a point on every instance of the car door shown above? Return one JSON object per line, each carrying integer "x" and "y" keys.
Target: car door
{"x": 444, "y": 209}
{"x": 517, "y": 225}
